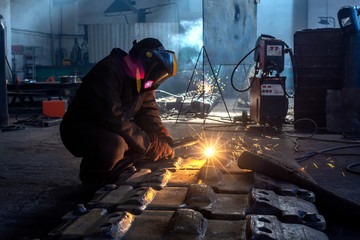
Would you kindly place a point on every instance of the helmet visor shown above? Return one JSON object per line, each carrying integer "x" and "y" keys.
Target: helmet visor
{"x": 163, "y": 67}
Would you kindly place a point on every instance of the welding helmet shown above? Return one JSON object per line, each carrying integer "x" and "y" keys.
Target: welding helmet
{"x": 155, "y": 64}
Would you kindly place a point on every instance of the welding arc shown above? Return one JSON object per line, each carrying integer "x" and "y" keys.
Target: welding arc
{"x": 233, "y": 72}
{"x": 329, "y": 204}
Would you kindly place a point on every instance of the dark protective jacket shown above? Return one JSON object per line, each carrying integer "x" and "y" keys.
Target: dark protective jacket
{"x": 108, "y": 97}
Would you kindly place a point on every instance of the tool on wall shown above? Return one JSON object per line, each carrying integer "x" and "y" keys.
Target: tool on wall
{"x": 268, "y": 96}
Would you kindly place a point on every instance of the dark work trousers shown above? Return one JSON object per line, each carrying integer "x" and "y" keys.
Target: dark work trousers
{"x": 99, "y": 148}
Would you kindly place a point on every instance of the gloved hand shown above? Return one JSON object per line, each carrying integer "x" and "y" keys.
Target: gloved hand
{"x": 163, "y": 134}
{"x": 159, "y": 149}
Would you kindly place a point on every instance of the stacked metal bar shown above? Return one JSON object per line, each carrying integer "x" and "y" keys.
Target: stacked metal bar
{"x": 195, "y": 199}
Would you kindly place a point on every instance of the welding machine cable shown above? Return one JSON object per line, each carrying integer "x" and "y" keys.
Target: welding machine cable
{"x": 233, "y": 72}
{"x": 350, "y": 166}
{"x": 311, "y": 154}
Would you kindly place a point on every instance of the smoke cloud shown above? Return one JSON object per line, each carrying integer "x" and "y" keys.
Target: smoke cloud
{"x": 193, "y": 35}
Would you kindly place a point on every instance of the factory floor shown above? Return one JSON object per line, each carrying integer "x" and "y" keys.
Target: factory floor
{"x": 39, "y": 178}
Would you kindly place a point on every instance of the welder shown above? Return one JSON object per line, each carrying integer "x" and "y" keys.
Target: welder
{"x": 113, "y": 115}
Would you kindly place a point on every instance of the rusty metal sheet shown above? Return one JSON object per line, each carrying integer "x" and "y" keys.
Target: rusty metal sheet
{"x": 147, "y": 178}
{"x": 261, "y": 227}
{"x": 123, "y": 198}
{"x": 202, "y": 198}
{"x": 95, "y": 224}
{"x": 282, "y": 188}
{"x": 169, "y": 198}
{"x": 109, "y": 196}
{"x": 229, "y": 230}
{"x": 184, "y": 178}
{"x": 149, "y": 225}
{"x": 183, "y": 224}
{"x": 189, "y": 223}
{"x": 287, "y": 208}
{"x": 177, "y": 163}
{"x": 229, "y": 207}
{"x": 190, "y": 163}
{"x": 226, "y": 183}
{"x": 221, "y": 182}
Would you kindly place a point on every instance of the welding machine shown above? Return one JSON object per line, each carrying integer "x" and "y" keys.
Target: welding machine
{"x": 54, "y": 108}
{"x": 268, "y": 100}
{"x": 268, "y": 96}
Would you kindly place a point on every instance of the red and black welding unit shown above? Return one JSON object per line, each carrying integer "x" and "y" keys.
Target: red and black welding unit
{"x": 268, "y": 100}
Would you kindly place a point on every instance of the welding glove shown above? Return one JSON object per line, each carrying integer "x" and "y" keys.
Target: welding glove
{"x": 159, "y": 149}
{"x": 162, "y": 134}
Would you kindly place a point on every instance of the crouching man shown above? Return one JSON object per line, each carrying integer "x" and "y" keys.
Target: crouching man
{"x": 113, "y": 114}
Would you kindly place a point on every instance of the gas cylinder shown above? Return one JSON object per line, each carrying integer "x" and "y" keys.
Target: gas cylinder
{"x": 349, "y": 23}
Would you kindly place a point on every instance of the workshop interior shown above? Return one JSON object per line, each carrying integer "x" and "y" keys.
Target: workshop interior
{"x": 262, "y": 111}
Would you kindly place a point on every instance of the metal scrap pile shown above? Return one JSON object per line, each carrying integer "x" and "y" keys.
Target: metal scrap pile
{"x": 189, "y": 102}
{"x": 192, "y": 198}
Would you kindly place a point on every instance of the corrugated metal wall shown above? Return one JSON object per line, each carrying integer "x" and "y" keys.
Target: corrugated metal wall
{"x": 167, "y": 33}
{"x": 229, "y": 29}
{"x": 104, "y": 37}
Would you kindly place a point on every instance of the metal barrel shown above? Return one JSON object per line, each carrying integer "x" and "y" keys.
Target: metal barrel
{"x": 350, "y": 26}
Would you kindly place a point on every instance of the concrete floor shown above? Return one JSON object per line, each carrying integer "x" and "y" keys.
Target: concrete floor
{"x": 39, "y": 178}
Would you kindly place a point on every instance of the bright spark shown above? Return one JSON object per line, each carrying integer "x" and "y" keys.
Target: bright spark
{"x": 209, "y": 152}
{"x": 212, "y": 147}
{"x": 332, "y": 166}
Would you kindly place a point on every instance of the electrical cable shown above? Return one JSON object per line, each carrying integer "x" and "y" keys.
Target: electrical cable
{"x": 296, "y": 138}
{"x": 350, "y": 166}
{"x": 310, "y": 137}
{"x": 355, "y": 138}
{"x": 337, "y": 141}
{"x": 233, "y": 72}
{"x": 308, "y": 155}
{"x": 304, "y": 119}
{"x": 32, "y": 120}
{"x": 293, "y": 64}
{"x": 311, "y": 154}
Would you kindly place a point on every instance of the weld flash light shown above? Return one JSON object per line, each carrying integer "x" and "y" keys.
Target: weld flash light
{"x": 209, "y": 152}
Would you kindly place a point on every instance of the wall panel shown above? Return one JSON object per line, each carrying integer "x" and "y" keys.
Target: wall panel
{"x": 104, "y": 37}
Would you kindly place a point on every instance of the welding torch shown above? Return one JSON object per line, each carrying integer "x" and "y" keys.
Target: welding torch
{"x": 126, "y": 164}
{"x": 184, "y": 142}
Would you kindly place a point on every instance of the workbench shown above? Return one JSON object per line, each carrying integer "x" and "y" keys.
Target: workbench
{"x": 29, "y": 93}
